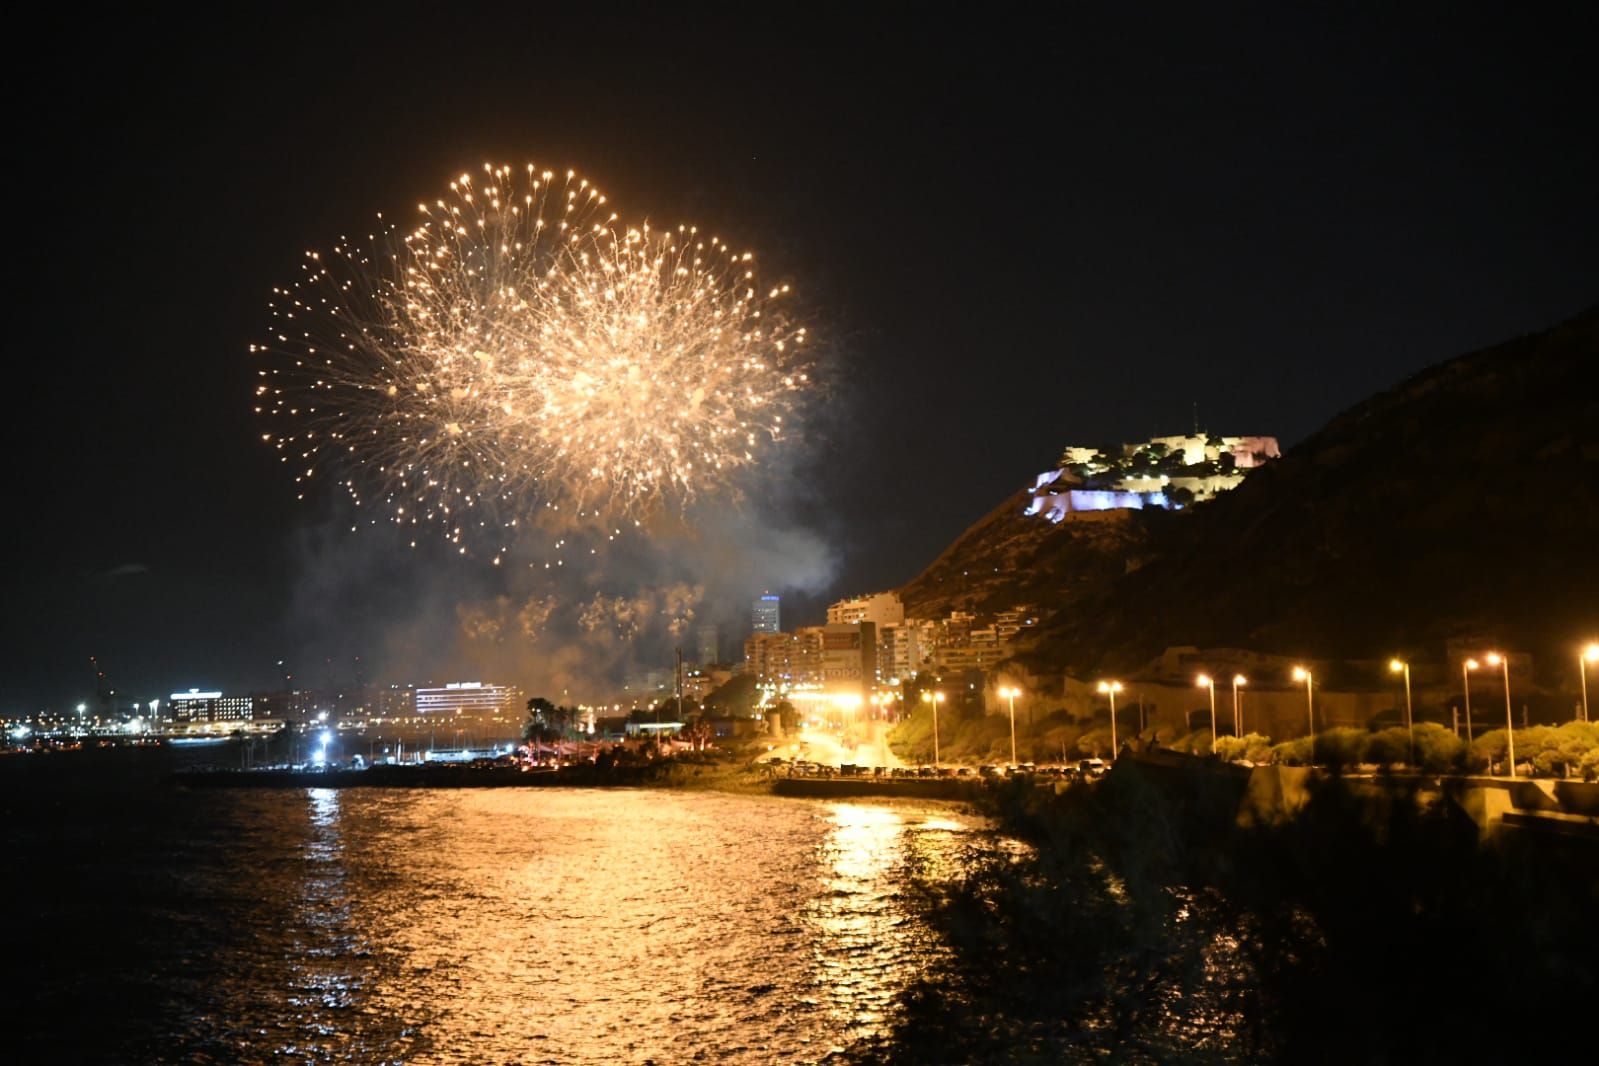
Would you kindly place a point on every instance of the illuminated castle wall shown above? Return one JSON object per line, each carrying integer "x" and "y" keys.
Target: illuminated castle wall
{"x": 1055, "y": 503}
{"x": 1155, "y": 473}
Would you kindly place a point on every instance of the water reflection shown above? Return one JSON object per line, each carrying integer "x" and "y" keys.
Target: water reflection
{"x": 324, "y": 806}
{"x": 538, "y": 925}
{"x": 868, "y": 946}
{"x": 326, "y": 971}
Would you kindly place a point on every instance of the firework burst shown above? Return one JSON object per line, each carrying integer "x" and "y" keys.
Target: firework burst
{"x": 522, "y": 352}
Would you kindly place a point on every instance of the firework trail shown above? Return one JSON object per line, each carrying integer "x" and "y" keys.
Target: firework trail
{"x": 521, "y": 354}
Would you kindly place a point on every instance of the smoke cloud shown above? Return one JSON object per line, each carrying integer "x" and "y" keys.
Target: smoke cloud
{"x": 563, "y": 614}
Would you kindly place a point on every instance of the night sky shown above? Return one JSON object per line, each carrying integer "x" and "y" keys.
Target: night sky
{"x": 1010, "y": 234}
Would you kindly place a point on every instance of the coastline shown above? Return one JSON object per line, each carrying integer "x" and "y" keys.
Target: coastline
{"x": 658, "y": 775}
{"x": 717, "y": 777}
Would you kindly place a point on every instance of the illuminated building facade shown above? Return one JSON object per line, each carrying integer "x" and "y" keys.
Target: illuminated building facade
{"x": 395, "y": 701}
{"x": 849, "y": 658}
{"x": 476, "y": 699}
{"x": 701, "y": 682}
{"x": 291, "y": 705}
{"x": 785, "y": 660}
{"x": 767, "y": 657}
{"x": 766, "y": 614}
{"x": 203, "y": 708}
{"x": 904, "y": 650}
{"x": 880, "y": 608}
{"x": 852, "y": 657}
{"x": 954, "y": 644}
{"x": 1007, "y": 624}
{"x": 1163, "y": 472}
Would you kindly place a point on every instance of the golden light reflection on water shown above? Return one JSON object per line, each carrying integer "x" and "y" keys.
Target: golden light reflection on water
{"x": 324, "y": 809}
{"x": 325, "y": 979}
{"x": 869, "y": 945}
{"x": 547, "y": 925}
{"x": 588, "y": 927}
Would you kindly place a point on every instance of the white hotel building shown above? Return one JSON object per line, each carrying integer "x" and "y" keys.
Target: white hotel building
{"x": 476, "y": 699}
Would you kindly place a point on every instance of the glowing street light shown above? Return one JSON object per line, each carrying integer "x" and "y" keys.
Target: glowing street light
{"x": 1495, "y": 659}
{"x": 1110, "y": 688}
{"x": 1208, "y": 682}
{"x": 1397, "y": 666}
{"x": 1465, "y": 686}
{"x": 1239, "y": 681}
{"x": 1301, "y": 674}
{"x": 1590, "y": 654}
{"x": 880, "y": 702}
{"x": 1010, "y": 693}
{"x": 934, "y": 698}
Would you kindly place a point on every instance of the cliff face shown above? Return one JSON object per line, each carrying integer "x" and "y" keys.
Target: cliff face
{"x": 1462, "y": 503}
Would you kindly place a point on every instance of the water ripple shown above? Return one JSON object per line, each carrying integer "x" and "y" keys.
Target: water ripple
{"x": 535, "y": 925}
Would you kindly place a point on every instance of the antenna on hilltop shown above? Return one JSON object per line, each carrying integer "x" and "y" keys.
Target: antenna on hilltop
{"x": 1196, "y": 418}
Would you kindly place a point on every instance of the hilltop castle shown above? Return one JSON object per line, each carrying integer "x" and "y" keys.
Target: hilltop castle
{"x": 1167, "y": 472}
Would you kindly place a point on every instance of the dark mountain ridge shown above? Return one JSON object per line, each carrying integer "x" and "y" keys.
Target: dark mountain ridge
{"x": 1461, "y": 504}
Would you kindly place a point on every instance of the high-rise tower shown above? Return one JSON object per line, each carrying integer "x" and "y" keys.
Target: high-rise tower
{"x": 707, "y": 644}
{"x": 767, "y": 614}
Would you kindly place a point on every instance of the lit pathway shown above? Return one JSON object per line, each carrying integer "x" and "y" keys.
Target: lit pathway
{"x": 822, "y": 747}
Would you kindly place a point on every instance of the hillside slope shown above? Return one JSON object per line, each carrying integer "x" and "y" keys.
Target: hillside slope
{"x": 1464, "y": 502}
{"x": 1007, "y": 559}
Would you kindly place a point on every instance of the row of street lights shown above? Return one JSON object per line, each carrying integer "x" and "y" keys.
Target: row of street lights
{"x": 1205, "y": 681}
{"x": 934, "y": 697}
{"x": 1400, "y": 666}
{"x": 1109, "y": 688}
{"x": 1589, "y": 654}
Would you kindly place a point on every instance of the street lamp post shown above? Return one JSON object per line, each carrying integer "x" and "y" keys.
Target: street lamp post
{"x": 1503, "y": 661}
{"x": 1590, "y": 654}
{"x": 1301, "y": 674}
{"x": 1110, "y": 688}
{"x": 1206, "y": 681}
{"x": 934, "y": 698}
{"x": 1239, "y": 680}
{"x": 1465, "y": 686}
{"x": 1010, "y": 694}
{"x": 1396, "y": 666}
{"x": 881, "y": 701}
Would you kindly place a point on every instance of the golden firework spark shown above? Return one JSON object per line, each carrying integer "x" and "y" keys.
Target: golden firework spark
{"x": 520, "y": 351}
